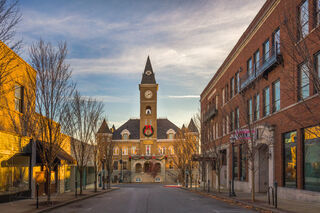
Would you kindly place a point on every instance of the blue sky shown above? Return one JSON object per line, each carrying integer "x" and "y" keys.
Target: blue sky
{"x": 109, "y": 41}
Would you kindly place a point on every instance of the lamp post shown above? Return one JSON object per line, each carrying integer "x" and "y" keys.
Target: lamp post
{"x": 103, "y": 177}
{"x": 232, "y": 183}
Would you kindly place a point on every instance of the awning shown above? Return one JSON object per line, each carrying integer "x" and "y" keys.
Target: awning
{"x": 61, "y": 154}
{"x": 17, "y": 160}
{"x": 202, "y": 158}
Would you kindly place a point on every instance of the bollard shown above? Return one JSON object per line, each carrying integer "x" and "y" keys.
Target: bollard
{"x": 276, "y": 194}
{"x": 272, "y": 191}
{"x": 76, "y": 185}
{"x": 37, "y": 188}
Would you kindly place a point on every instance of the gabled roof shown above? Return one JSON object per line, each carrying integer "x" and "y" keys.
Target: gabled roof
{"x": 133, "y": 126}
{"x": 104, "y": 127}
{"x": 148, "y": 79}
{"x": 192, "y": 126}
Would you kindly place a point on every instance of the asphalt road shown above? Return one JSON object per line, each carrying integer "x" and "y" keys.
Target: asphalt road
{"x": 150, "y": 198}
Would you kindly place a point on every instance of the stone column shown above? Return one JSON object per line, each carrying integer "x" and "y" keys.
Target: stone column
{"x": 271, "y": 165}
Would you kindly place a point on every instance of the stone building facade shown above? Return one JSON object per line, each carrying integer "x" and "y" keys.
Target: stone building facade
{"x": 143, "y": 150}
{"x": 267, "y": 91}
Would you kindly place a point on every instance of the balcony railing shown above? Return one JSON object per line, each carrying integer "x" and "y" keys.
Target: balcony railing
{"x": 265, "y": 64}
{"x": 212, "y": 111}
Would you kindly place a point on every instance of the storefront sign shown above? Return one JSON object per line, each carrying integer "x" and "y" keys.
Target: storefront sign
{"x": 243, "y": 134}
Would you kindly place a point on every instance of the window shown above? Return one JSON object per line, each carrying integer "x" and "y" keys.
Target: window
{"x": 227, "y": 124}
{"x": 148, "y": 149}
{"x": 304, "y": 81}
{"x": 171, "y": 150}
{"x": 266, "y": 101}
{"x": 217, "y": 133}
{"x": 235, "y": 161}
{"x": 276, "y": 96}
{"x": 223, "y": 96}
{"x": 290, "y": 159}
{"x": 148, "y": 110}
{"x": 257, "y": 107}
{"x": 249, "y": 67}
{"x": 133, "y": 150}
{"x": 162, "y": 150}
{"x": 125, "y": 151}
{"x": 304, "y": 19}
{"x": 250, "y": 114}
{"x": 243, "y": 161}
{"x": 236, "y": 89}
{"x": 276, "y": 40}
{"x": 312, "y": 158}
{"x": 237, "y": 121}
{"x": 116, "y": 151}
{"x": 318, "y": 12}
{"x": 226, "y": 92}
{"x": 223, "y": 126}
{"x": 18, "y": 97}
{"x": 266, "y": 51}
{"x": 115, "y": 165}
{"x": 317, "y": 68}
{"x": 125, "y": 136}
{"x": 232, "y": 121}
{"x": 232, "y": 87}
{"x": 124, "y": 165}
{"x": 171, "y": 136}
{"x": 257, "y": 59}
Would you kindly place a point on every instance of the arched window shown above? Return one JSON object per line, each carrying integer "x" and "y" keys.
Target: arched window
{"x": 116, "y": 150}
{"x": 125, "y": 134}
{"x": 171, "y": 133}
{"x": 125, "y": 150}
{"x": 138, "y": 168}
{"x": 171, "y": 150}
{"x": 148, "y": 110}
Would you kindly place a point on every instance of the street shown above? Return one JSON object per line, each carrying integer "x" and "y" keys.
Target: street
{"x": 147, "y": 198}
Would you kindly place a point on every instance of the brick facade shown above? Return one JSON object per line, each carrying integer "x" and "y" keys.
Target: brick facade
{"x": 279, "y": 64}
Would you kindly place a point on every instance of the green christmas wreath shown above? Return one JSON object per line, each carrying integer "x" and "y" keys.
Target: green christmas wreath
{"x": 148, "y": 127}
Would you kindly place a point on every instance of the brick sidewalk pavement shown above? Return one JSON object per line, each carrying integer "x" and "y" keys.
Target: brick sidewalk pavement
{"x": 284, "y": 205}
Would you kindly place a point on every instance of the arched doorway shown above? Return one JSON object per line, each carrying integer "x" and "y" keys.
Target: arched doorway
{"x": 147, "y": 167}
{"x": 138, "y": 168}
{"x": 263, "y": 172}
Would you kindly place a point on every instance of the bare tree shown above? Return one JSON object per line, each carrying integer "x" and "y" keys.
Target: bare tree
{"x": 81, "y": 118}
{"x": 185, "y": 146}
{"x": 10, "y": 16}
{"x": 53, "y": 91}
{"x": 106, "y": 146}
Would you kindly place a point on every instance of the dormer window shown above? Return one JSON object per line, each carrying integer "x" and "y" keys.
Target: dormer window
{"x": 125, "y": 134}
{"x": 148, "y": 110}
{"x": 170, "y": 134}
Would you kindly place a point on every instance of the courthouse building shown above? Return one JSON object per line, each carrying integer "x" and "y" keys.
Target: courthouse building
{"x": 267, "y": 91}
{"x": 143, "y": 150}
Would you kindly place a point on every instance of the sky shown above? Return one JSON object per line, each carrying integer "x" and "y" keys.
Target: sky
{"x": 109, "y": 42}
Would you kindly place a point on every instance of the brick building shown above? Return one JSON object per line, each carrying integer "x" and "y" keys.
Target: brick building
{"x": 263, "y": 103}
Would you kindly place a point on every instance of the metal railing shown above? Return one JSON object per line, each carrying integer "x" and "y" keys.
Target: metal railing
{"x": 266, "y": 63}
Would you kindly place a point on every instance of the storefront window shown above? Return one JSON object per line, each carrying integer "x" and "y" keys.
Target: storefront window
{"x": 242, "y": 162}
{"x": 236, "y": 163}
{"x": 290, "y": 161}
{"x": 312, "y": 158}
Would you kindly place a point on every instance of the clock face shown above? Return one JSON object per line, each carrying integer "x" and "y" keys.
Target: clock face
{"x": 148, "y": 94}
{"x": 148, "y": 72}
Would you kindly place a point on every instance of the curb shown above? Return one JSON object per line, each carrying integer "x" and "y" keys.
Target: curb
{"x": 237, "y": 201}
{"x": 74, "y": 200}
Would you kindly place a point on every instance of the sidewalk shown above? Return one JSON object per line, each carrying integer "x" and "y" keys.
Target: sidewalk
{"x": 29, "y": 205}
{"x": 261, "y": 203}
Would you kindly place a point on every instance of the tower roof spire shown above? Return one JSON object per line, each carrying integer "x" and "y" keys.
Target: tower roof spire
{"x": 148, "y": 75}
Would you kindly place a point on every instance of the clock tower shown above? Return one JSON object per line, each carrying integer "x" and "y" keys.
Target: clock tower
{"x": 148, "y": 107}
